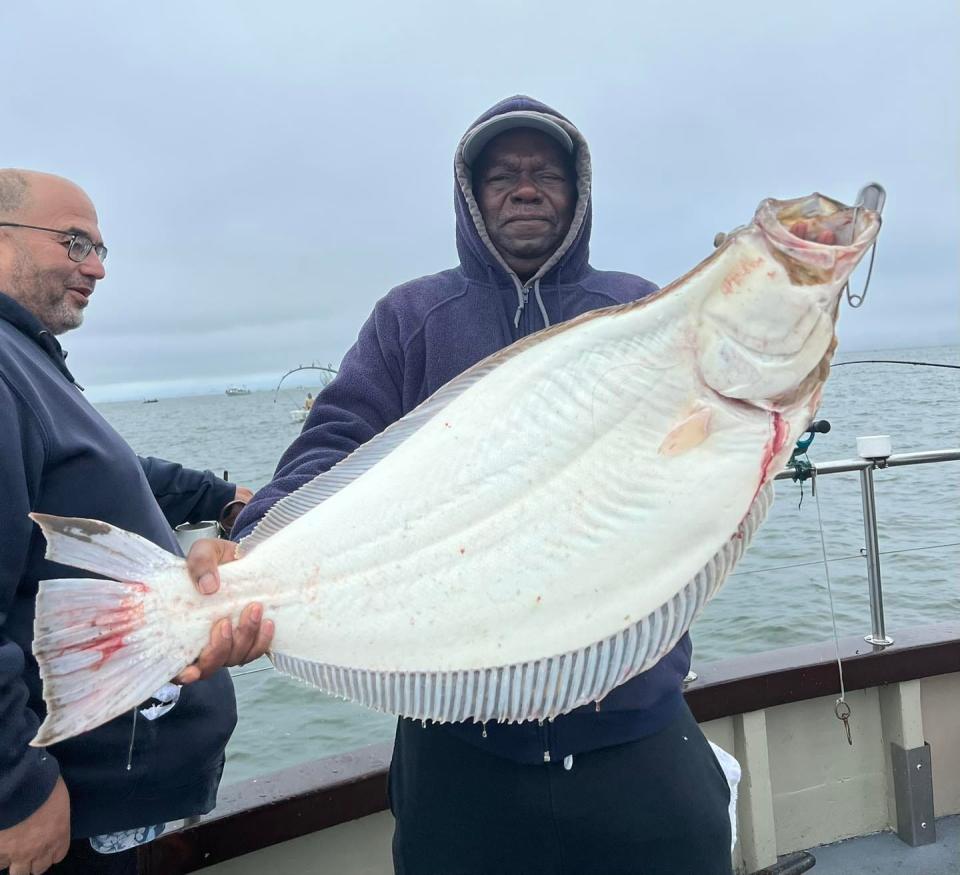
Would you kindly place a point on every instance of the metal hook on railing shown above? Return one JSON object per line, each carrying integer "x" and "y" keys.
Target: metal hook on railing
{"x": 802, "y": 469}
{"x": 871, "y": 197}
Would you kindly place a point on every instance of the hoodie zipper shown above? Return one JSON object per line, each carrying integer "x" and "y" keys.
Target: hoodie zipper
{"x": 523, "y": 293}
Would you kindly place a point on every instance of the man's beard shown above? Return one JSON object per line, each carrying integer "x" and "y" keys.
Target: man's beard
{"x": 63, "y": 316}
{"x": 45, "y": 294}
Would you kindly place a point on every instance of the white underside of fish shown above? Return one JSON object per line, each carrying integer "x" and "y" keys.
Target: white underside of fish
{"x": 533, "y": 515}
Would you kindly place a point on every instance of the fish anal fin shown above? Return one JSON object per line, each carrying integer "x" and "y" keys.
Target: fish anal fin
{"x": 690, "y": 432}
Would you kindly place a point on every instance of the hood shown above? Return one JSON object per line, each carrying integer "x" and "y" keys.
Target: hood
{"x": 478, "y": 256}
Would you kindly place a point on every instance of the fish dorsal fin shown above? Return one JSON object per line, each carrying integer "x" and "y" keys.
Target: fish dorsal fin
{"x": 362, "y": 459}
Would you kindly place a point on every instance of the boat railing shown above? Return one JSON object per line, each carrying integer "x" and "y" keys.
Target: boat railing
{"x": 866, "y": 465}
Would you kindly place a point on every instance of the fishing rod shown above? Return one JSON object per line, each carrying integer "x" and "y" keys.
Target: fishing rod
{"x": 329, "y": 369}
{"x": 895, "y": 362}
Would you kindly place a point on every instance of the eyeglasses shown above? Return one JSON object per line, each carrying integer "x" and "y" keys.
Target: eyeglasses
{"x": 78, "y": 248}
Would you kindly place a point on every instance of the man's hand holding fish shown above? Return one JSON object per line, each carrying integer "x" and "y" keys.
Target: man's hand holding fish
{"x": 227, "y": 646}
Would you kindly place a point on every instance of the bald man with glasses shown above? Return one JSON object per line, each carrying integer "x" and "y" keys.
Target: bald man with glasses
{"x": 55, "y": 289}
{"x": 61, "y": 807}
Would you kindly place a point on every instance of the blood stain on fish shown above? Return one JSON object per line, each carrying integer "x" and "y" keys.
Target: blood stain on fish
{"x": 739, "y": 274}
{"x": 776, "y": 443}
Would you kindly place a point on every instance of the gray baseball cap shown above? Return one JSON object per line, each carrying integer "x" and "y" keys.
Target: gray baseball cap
{"x": 483, "y": 133}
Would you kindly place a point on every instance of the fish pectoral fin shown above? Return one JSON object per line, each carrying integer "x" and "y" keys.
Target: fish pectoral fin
{"x": 690, "y": 432}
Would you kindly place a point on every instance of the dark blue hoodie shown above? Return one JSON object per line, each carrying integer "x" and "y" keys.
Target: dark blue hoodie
{"x": 59, "y": 456}
{"x": 426, "y": 332}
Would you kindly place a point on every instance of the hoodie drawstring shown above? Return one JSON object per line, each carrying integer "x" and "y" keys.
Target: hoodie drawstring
{"x": 543, "y": 310}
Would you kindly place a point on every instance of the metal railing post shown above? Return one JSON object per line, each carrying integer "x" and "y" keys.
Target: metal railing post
{"x": 877, "y": 636}
{"x": 872, "y": 455}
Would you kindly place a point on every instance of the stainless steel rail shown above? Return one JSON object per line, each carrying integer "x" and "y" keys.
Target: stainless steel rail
{"x": 878, "y": 636}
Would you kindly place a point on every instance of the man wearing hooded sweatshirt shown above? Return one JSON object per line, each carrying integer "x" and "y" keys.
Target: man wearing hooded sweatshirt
{"x": 625, "y": 786}
{"x": 59, "y": 456}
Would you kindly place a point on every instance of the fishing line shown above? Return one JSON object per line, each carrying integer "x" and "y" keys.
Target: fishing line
{"x": 841, "y": 708}
{"x": 894, "y": 362}
{"x": 844, "y": 558}
{"x": 240, "y": 674}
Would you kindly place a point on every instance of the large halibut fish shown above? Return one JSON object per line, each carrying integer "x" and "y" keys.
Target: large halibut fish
{"x": 544, "y": 527}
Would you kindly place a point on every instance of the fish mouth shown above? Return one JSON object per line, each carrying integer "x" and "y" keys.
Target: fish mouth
{"x": 816, "y": 221}
{"x": 817, "y": 239}
{"x": 819, "y": 220}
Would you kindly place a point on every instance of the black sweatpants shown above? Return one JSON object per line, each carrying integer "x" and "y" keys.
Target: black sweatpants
{"x": 657, "y": 806}
{"x": 82, "y": 859}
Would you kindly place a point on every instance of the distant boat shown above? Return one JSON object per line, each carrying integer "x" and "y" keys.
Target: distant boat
{"x": 150, "y": 400}
{"x": 300, "y": 414}
{"x": 238, "y": 390}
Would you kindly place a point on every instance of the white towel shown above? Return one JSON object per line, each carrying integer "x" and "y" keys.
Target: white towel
{"x": 731, "y": 768}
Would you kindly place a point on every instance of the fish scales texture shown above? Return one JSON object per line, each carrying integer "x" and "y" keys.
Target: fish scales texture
{"x": 445, "y": 575}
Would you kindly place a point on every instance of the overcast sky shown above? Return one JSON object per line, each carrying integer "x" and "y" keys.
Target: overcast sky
{"x": 265, "y": 172}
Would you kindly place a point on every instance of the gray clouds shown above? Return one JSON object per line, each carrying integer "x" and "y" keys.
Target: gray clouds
{"x": 264, "y": 173}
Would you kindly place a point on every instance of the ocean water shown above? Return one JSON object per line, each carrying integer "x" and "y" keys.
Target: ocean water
{"x": 776, "y": 598}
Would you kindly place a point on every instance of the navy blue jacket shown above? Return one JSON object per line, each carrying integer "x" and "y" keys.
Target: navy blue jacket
{"x": 426, "y": 332}
{"x": 59, "y": 456}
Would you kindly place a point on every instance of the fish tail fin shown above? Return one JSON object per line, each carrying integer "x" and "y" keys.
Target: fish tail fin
{"x": 101, "y": 645}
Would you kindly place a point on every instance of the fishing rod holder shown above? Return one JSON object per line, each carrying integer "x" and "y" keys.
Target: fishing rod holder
{"x": 876, "y": 449}
{"x": 875, "y": 452}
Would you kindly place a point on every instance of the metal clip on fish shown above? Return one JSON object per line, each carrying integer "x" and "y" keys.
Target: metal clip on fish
{"x": 871, "y": 197}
